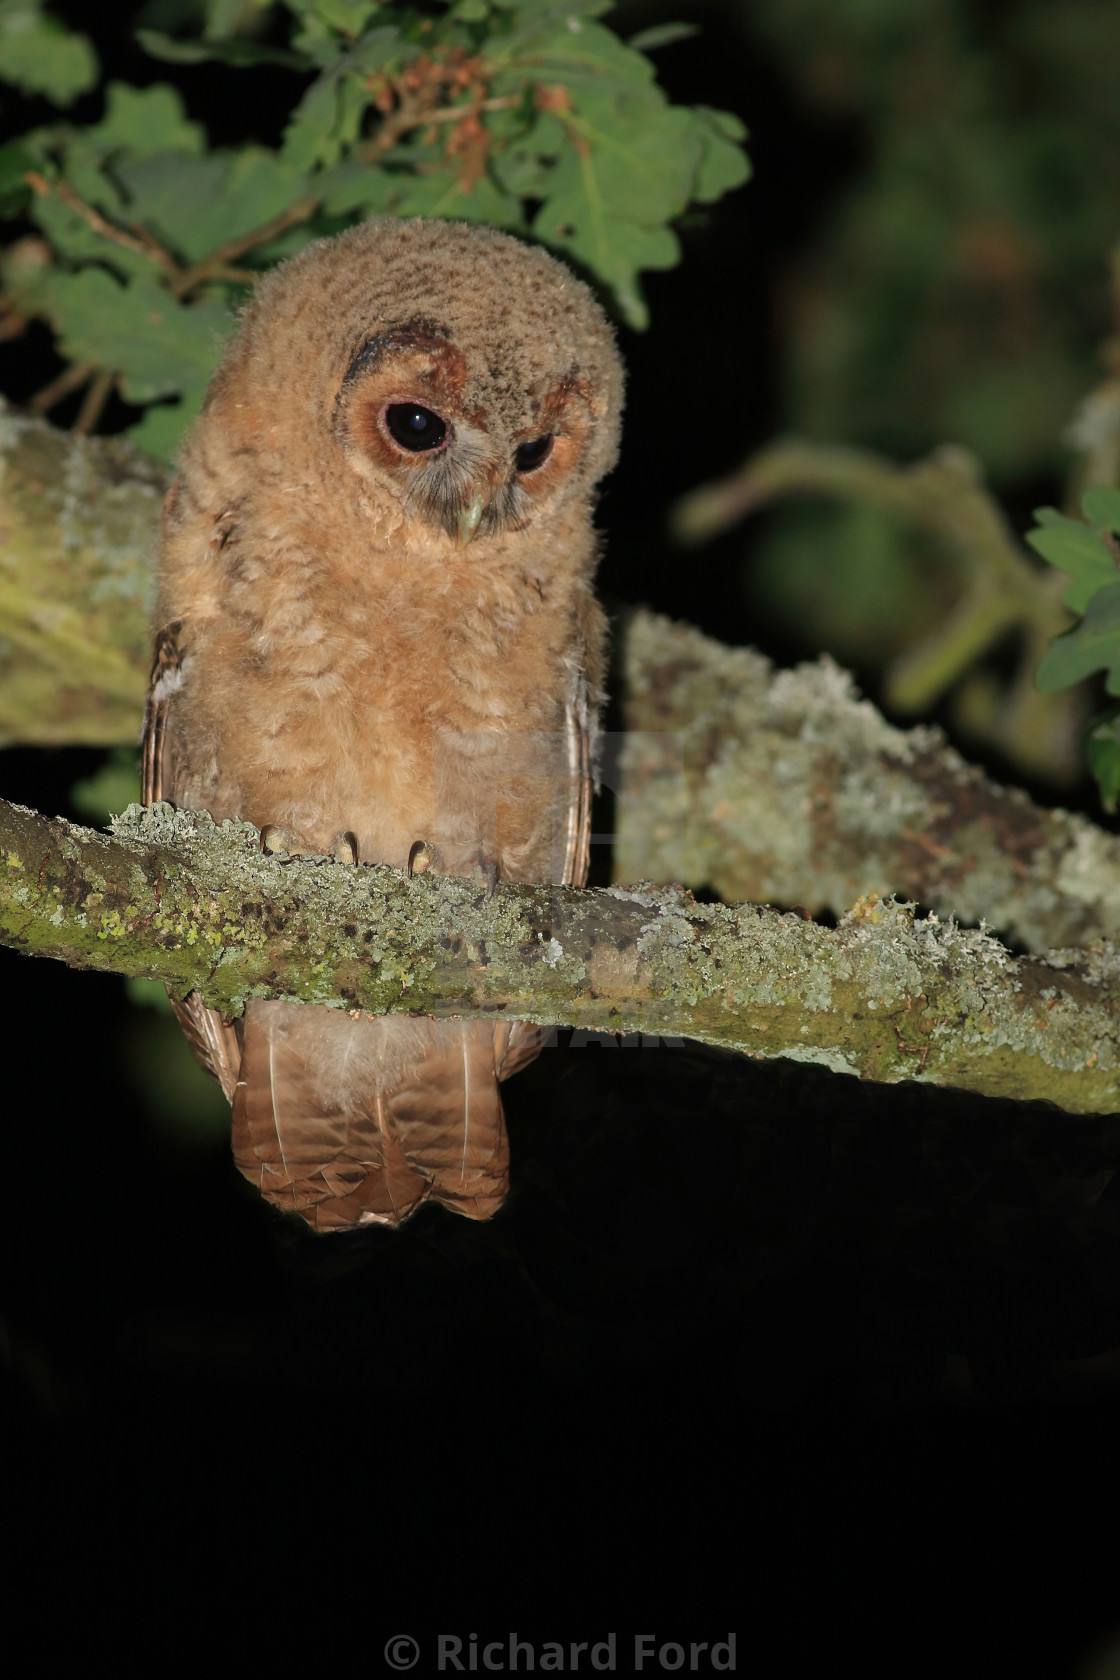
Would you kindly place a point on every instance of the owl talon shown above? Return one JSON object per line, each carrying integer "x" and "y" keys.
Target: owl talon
{"x": 421, "y": 857}
{"x": 344, "y": 847}
{"x": 278, "y": 842}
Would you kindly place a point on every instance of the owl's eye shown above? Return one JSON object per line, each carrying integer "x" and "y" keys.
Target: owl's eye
{"x": 533, "y": 454}
{"x": 413, "y": 427}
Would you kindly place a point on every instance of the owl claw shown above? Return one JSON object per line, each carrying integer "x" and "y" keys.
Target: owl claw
{"x": 278, "y": 842}
{"x": 421, "y": 857}
{"x": 344, "y": 846}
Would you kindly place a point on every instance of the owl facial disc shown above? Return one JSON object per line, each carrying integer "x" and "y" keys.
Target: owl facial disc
{"x": 465, "y": 449}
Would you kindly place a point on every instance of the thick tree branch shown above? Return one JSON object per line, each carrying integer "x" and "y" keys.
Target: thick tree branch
{"x": 78, "y": 523}
{"x": 786, "y": 787}
{"x": 881, "y": 996}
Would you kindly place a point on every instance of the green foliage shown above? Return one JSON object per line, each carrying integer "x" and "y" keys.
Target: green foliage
{"x": 1092, "y": 645}
{"x": 40, "y": 55}
{"x": 526, "y": 114}
{"x": 957, "y": 290}
{"x": 1088, "y": 551}
{"x": 1102, "y": 749}
{"x": 1081, "y": 550}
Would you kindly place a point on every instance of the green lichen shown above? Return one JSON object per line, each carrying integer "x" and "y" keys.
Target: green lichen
{"x": 785, "y": 787}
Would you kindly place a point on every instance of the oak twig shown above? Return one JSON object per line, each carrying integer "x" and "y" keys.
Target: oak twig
{"x": 1005, "y": 591}
{"x": 93, "y": 403}
{"x": 138, "y": 241}
{"x": 71, "y": 378}
{"x": 217, "y": 263}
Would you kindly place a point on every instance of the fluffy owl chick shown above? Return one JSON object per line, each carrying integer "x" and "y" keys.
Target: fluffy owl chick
{"x": 379, "y": 640}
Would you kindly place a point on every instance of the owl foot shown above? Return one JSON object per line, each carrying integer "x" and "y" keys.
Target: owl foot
{"x": 422, "y": 857}
{"x": 344, "y": 846}
{"x": 277, "y": 841}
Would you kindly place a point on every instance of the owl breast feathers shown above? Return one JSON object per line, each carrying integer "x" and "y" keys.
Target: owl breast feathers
{"x": 378, "y": 640}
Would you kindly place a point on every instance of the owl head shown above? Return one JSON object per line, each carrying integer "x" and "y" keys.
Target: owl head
{"x": 472, "y": 378}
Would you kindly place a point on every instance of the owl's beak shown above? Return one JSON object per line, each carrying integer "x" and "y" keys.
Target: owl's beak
{"x": 469, "y": 520}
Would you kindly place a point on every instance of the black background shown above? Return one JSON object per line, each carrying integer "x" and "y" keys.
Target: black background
{"x": 751, "y": 1347}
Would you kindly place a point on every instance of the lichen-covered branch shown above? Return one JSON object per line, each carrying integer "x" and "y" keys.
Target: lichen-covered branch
{"x": 882, "y": 996}
{"x": 785, "y": 787}
{"x": 78, "y": 524}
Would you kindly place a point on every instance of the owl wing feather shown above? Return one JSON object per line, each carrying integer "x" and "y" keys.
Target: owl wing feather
{"x": 157, "y": 775}
{"x": 215, "y": 1042}
{"x": 578, "y": 723}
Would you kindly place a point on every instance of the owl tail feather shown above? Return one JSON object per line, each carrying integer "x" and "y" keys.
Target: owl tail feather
{"x": 357, "y": 1122}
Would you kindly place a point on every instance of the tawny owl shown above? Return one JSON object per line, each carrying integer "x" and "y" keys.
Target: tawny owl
{"x": 379, "y": 641}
